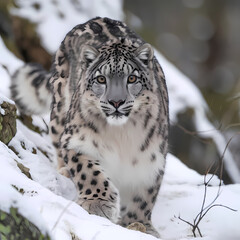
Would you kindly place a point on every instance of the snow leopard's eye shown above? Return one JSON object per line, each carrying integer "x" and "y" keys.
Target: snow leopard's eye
{"x": 132, "y": 79}
{"x": 101, "y": 79}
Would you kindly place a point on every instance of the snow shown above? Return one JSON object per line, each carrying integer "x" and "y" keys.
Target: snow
{"x": 183, "y": 196}
{"x": 43, "y": 202}
{"x": 49, "y": 211}
{"x": 64, "y": 16}
{"x": 47, "y": 199}
{"x": 8, "y": 59}
{"x": 8, "y": 65}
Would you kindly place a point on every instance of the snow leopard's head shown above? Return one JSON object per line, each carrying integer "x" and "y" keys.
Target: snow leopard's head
{"x": 117, "y": 78}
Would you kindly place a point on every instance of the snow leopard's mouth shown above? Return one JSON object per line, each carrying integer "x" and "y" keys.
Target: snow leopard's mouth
{"x": 117, "y": 118}
{"x": 117, "y": 114}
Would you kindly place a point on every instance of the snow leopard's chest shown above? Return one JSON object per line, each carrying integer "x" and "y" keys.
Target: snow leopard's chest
{"x": 119, "y": 151}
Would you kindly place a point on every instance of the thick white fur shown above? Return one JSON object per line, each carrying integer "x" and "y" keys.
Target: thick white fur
{"x": 117, "y": 121}
{"x": 119, "y": 153}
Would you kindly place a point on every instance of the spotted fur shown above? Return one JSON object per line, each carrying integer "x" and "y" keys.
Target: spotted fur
{"x": 109, "y": 118}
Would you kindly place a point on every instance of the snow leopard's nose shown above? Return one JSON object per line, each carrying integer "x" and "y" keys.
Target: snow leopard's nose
{"x": 116, "y": 104}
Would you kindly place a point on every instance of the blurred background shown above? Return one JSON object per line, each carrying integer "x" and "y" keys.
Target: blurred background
{"x": 199, "y": 37}
{"x": 202, "y": 38}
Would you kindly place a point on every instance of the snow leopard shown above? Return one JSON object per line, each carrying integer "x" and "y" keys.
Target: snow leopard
{"x": 109, "y": 117}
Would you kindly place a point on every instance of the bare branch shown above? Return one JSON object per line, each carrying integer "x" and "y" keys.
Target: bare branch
{"x": 217, "y": 205}
{"x": 205, "y": 209}
{"x": 192, "y": 225}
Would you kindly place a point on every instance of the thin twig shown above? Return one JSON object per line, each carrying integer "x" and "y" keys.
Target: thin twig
{"x": 232, "y": 125}
{"x": 185, "y": 221}
{"x": 218, "y": 205}
{"x": 194, "y": 133}
{"x": 60, "y": 216}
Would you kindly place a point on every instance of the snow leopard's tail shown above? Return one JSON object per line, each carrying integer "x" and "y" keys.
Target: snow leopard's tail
{"x": 30, "y": 89}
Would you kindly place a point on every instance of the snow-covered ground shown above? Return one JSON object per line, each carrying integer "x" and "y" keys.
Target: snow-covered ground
{"x": 47, "y": 197}
{"x": 45, "y": 203}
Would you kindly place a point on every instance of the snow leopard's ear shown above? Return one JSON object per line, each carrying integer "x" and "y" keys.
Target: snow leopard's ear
{"x": 145, "y": 53}
{"x": 89, "y": 53}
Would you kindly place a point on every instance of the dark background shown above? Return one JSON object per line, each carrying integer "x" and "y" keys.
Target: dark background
{"x": 202, "y": 38}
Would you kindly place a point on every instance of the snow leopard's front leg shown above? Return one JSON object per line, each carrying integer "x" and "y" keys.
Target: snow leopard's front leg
{"x": 139, "y": 209}
{"x": 96, "y": 192}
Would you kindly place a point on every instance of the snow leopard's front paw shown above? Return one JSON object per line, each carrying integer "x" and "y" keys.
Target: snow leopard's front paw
{"x": 101, "y": 199}
{"x": 103, "y": 208}
{"x": 147, "y": 228}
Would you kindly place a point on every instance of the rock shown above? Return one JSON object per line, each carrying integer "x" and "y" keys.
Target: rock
{"x": 27, "y": 121}
{"x": 7, "y": 122}
{"x": 24, "y": 170}
{"x": 15, "y": 226}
